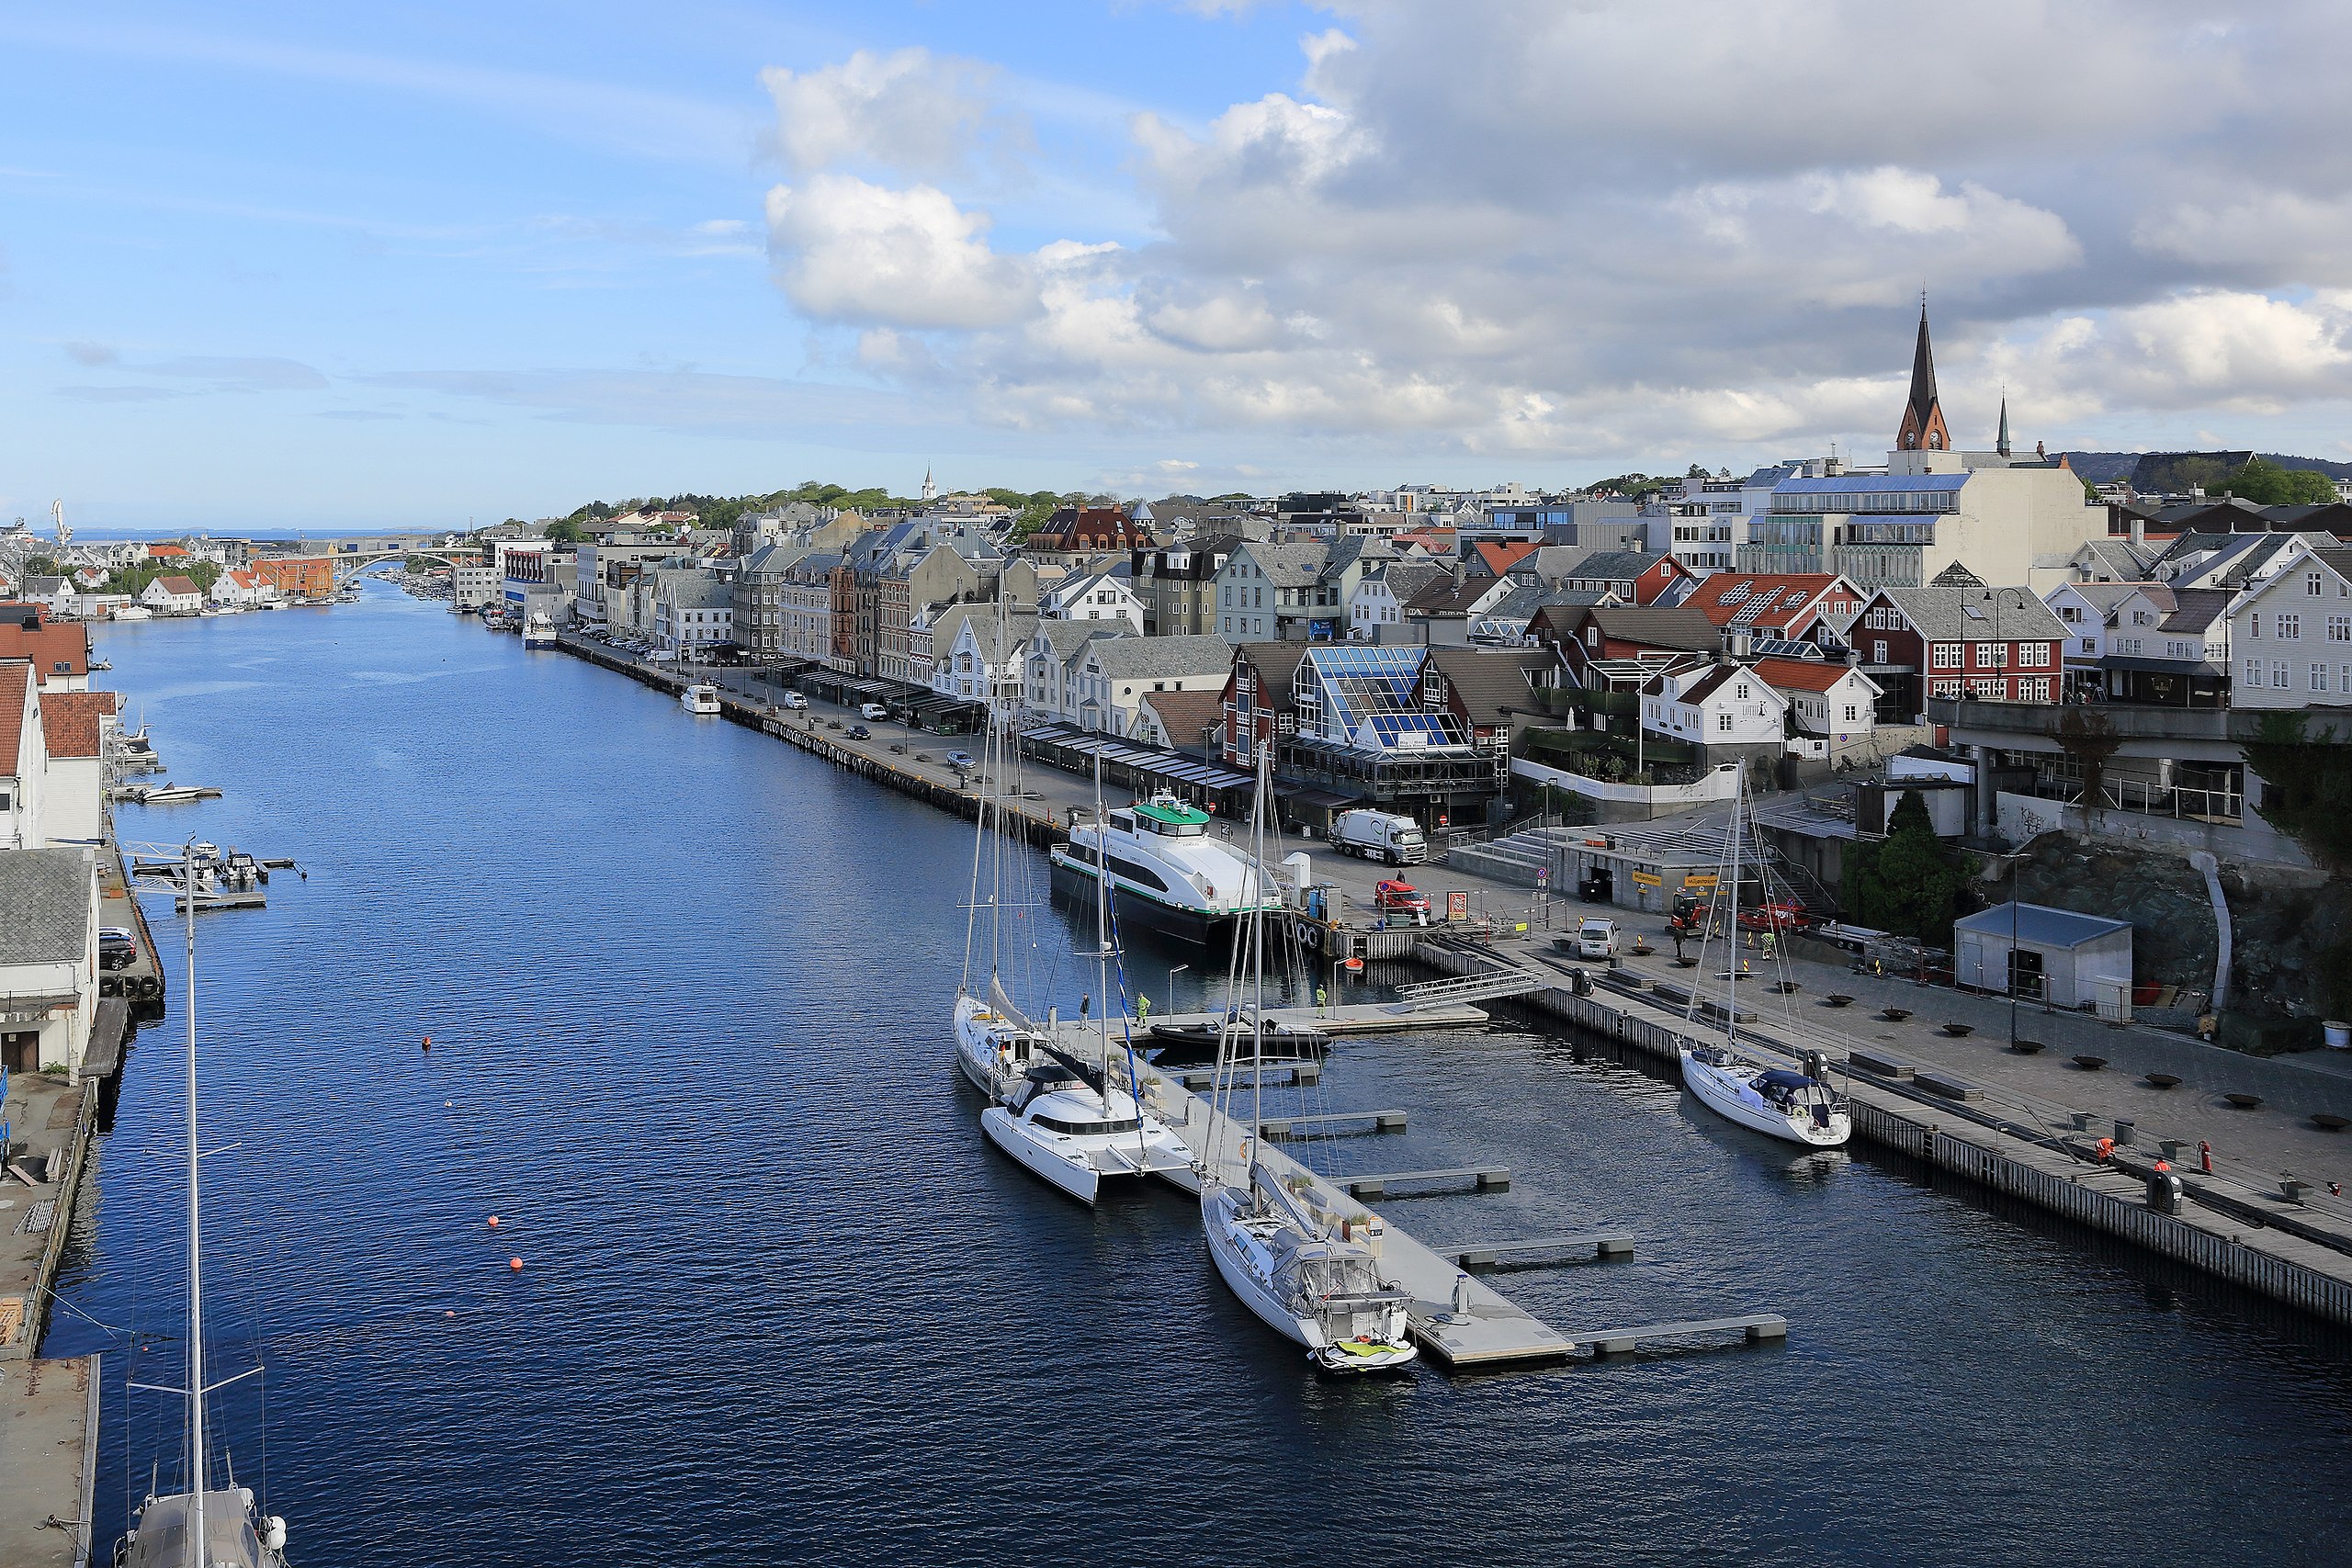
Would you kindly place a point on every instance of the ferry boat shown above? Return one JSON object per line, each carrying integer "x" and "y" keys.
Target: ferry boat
{"x": 539, "y": 632}
{"x": 1169, "y": 873}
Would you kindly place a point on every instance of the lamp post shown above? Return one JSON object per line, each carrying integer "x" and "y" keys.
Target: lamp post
{"x": 1174, "y": 970}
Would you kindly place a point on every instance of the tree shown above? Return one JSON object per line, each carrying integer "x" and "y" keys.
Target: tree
{"x": 2264, "y": 483}
{"x": 2091, "y": 741}
{"x": 2306, "y": 783}
{"x": 1903, "y": 883}
{"x": 565, "y": 530}
{"x": 42, "y": 566}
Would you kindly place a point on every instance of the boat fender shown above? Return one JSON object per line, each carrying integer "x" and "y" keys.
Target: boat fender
{"x": 1314, "y": 938}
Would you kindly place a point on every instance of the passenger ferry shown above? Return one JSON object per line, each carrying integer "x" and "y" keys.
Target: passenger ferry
{"x": 1169, "y": 873}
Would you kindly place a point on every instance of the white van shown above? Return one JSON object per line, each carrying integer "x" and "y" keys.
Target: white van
{"x": 1596, "y": 936}
{"x": 1380, "y": 835}
{"x": 793, "y": 700}
{"x": 874, "y": 711}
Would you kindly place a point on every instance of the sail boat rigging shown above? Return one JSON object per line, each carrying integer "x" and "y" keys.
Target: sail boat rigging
{"x": 204, "y": 1527}
{"x": 1071, "y": 1125}
{"x": 1799, "y": 1107}
{"x": 1314, "y": 1281}
{"x": 996, "y": 1044}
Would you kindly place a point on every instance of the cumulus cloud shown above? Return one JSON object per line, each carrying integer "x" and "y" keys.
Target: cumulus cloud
{"x": 909, "y": 112}
{"x": 850, "y": 250}
{"x": 1517, "y": 227}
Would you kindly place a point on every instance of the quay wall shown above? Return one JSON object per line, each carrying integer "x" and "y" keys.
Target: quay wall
{"x": 2318, "y": 1281}
{"x": 2316, "y": 1278}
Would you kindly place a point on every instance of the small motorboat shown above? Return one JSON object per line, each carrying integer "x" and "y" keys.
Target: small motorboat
{"x": 698, "y": 698}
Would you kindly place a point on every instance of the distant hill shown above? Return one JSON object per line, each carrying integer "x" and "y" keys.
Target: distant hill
{"x": 2167, "y": 472}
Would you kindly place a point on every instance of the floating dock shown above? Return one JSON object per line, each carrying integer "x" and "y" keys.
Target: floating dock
{"x": 1489, "y": 1331}
{"x": 1352, "y": 1018}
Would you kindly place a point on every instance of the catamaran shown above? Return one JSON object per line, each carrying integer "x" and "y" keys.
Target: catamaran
{"x": 206, "y": 1526}
{"x": 1073, "y": 1125}
{"x": 996, "y": 1044}
{"x": 1312, "y": 1275}
{"x": 1800, "y": 1107}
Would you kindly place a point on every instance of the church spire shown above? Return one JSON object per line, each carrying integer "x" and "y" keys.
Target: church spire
{"x": 1923, "y": 416}
{"x": 2001, "y": 441}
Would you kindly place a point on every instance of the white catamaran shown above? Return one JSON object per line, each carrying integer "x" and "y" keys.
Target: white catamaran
{"x": 1313, "y": 1276}
{"x": 1800, "y": 1107}
{"x": 995, "y": 1043}
{"x": 206, "y": 1526}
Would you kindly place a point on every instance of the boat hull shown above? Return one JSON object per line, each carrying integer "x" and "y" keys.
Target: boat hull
{"x": 1080, "y": 1180}
{"x": 1198, "y": 927}
{"x": 1721, "y": 1092}
{"x": 1225, "y": 1250}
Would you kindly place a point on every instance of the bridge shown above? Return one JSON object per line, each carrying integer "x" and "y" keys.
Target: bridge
{"x": 347, "y": 567}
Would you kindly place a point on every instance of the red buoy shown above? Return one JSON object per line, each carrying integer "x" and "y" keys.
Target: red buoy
{"x": 493, "y": 1221}
{"x": 516, "y": 1264}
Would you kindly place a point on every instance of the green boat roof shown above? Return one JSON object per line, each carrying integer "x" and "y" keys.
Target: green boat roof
{"x": 1177, "y": 814}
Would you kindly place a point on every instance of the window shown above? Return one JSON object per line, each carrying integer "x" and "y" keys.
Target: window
{"x": 2254, "y": 671}
{"x": 2069, "y": 613}
{"x": 1943, "y": 688}
{"x": 1992, "y": 656}
{"x": 2319, "y": 677}
{"x": 2090, "y": 645}
{"x": 2254, "y": 624}
{"x": 2278, "y": 674}
{"x": 2140, "y": 617}
{"x": 2313, "y": 583}
{"x": 1992, "y": 690}
{"x": 1742, "y": 693}
{"x": 1946, "y": 656}
{"x": 2339, "y": 628}
{"x": 2290, "y": 628}
{"x": 2035, "y": 691}
{"x": 1878, "y": 651}
{"x": 1850, "y": 712}
{"x": 1723, "y": 722}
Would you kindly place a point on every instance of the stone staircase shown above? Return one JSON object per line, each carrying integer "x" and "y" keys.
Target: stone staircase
{"x": 1515, "y": 858}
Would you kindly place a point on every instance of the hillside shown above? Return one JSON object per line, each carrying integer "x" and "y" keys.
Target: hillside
{"x": 2099, "y": 468}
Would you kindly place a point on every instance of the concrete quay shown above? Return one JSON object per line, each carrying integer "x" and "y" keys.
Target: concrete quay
{"x": 2237, "y": 1223}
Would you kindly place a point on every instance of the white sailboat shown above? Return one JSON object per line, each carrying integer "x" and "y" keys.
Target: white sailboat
{"x": 1072, "y": 1125}
{"x": 1780, "y": 1102}
{"x": 1312, "y": 1276}
{"x": 204, "y": 1525}
{"x": 996, "y": 1044}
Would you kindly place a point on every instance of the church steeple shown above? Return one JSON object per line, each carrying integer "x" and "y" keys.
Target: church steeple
{"x": 2001, "y": 441}
{"x": 1923, "y": 416}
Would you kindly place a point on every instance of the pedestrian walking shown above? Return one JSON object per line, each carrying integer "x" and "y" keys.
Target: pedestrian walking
{"x": 1321, "y": 999}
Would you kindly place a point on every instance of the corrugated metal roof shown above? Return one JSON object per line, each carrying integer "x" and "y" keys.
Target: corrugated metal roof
{"x": 2042, "y": 925}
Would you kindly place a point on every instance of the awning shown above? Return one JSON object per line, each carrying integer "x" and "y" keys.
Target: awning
{"x": 2195, "y": 669}
{"x": 1319, "y": 799}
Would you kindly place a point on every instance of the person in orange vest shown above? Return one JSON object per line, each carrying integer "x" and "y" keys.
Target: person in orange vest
{"x": 2106, "y": 1150}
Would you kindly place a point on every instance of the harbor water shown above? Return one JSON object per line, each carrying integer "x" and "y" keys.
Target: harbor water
{"x": 687, "y": 989}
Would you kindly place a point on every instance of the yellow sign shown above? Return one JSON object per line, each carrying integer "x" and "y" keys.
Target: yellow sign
{"x": 1647, "y": 879}
{"x": 1699, "y": 879}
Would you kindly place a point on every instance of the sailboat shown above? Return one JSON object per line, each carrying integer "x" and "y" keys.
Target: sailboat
{"x": 1073, "y": 1124}
{"x": 206, "y": 1526}
{"x": 1800, "y": 1107}
{"x": 996, "y": 1044}
{"x": 1313, "y": 1277}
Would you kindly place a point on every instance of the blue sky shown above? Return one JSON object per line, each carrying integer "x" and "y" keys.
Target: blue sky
{"x": 286, "y": 264}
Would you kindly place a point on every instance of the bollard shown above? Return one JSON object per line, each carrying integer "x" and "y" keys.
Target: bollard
{"x": 1461, "y": 1313}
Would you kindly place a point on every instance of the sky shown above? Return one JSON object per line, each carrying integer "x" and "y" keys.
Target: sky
{"x": 280, "y": 266}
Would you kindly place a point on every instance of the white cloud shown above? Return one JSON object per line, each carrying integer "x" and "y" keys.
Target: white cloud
{"x": 909, "y": 112}
{"x": 848, "y": 251}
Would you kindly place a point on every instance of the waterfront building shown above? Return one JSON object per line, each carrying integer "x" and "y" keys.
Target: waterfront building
{"x": 298, "y": 577}
{"x": 1377, "y": 605}
{"x": 983, "y": 660}
{"x": 935, "y": 566}
{"x": 24, "y": 767}
{"x": 241, "y": 588}
{"x": 76, "y": 730}
{"x": 1049, "y": 661}
{"x": 49, "y": 958}
{"x": 1293, "y": 592}
{"x": 1099, "y": 592}
{"x": 1990, "y": 644}
{"x": 172, "y": 595}
{"x": 1724, "y": 709}
{"x": 57, "y": 652}
{"x": 603, "y": 568}
{"x": 1110, "y": 676}
{"x": 1830, "y": 700}
{"x": 694, "y": 608}
{"x": 805, "y": 599}
{"x": 2291, "y": 635}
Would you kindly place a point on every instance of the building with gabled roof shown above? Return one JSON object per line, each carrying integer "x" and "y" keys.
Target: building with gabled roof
{"x": 1788, "y": 607}
{"x": 1994, "y": 644}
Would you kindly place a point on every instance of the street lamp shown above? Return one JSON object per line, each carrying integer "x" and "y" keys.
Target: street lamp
{"x": 1174, "y": 970}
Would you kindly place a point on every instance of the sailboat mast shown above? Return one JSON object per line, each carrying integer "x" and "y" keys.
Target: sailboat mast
{"x": 1101, "y": 936}
{"x": 198, "y": 1465}
{"x": 1731, "y": 930}
{"x": 1257, "y": 881}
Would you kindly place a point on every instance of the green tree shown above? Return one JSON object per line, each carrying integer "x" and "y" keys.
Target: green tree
{"x": 1904, "y": 884}
{"x": 42, "y": 566}
{"x": 2306, "y": 783}
{"x": 565, "y": 530}
{"x": 2264, "y": 483}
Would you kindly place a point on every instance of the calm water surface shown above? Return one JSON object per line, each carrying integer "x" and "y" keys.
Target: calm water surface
{"x": 687, "y": 990}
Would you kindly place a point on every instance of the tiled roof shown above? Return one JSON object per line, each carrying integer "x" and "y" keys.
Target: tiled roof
{"x": 1801, "y": 674}
{"x": 44, "y": 906}
{"x": 1729, "y": 597}
{"x": 2194, "y": 609}
{"x": 1498, "y": 558}
{"x": 1186, "y": 716}
{"x": 1611, "y": 566}
{"x": 53, "y": 650}
{"x": 13, "y": 681}
{"x": 1289, "y": 566}
{"x": 1163, "y": 658}
{"x": 1976, "y": 614}
{"x": 1488, "y": 679}
{"x": 69, "y": 721}
{"x": 1680, "y": 627}
{"x": 180, "y": 585}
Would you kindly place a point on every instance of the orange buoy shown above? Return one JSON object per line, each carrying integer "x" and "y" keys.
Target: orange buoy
{"x": 493, "y": 1221}
{"x": 428, "y": 1043}
{"x": 516, "y": 1264}
{"x": 448, "y": 1315}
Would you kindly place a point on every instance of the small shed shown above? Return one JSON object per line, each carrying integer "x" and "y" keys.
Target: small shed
{"x": 2044, "y": 955}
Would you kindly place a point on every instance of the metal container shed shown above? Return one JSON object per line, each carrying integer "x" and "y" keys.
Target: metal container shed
{"x": 2057, "y": 956}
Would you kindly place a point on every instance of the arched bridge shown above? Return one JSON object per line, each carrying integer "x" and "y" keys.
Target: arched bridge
{"x": 347, "y": 567}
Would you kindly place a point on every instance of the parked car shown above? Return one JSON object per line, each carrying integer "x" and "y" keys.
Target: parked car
{"x": 1787, "y": 915}
{"x": 874, "y": 712}
{"x": 961, "y": 762}
{"x": 793, "y": 700}
{"x": 859, "y": 732}
{"x": 117, "y": 949}
{"x": 1597, "y": 936}
{"x": 1401, "y": 900}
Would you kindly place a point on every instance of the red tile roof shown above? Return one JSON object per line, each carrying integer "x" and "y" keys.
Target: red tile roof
{"x": 13, "y": 681}
{"x": 55, "y": 650}
{"x": 162, "y": 552}
{"x": 1726, "y": 594}
{"x": 70, "y": 720}
{"x": 1800, "y": 674}
{"x": 1500, "y": 558}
